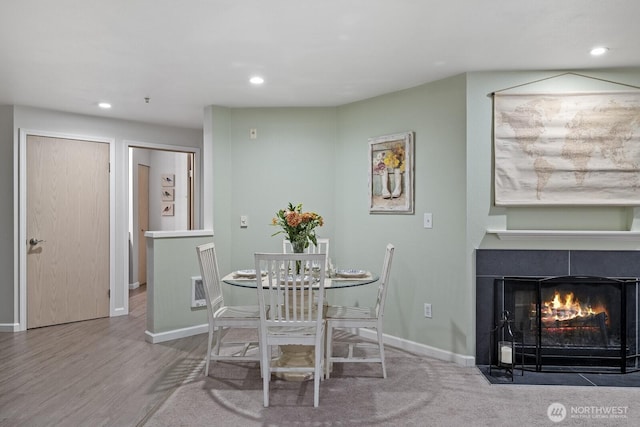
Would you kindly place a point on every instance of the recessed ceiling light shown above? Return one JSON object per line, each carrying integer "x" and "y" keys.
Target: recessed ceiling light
{"x": 597, "y": 51}
{"x": 256, "y": 80}
{"x": 104, "y": 105}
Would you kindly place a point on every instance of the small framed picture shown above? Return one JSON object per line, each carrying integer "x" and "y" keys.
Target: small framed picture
{"x": 391, "y": 174}
{"x": 168, "y": 179}
{"x": 168, "y": 194}
{"x": 167, "y": 209}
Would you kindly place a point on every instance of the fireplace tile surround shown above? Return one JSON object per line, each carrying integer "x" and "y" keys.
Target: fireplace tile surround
{"x": 494, "y": 264}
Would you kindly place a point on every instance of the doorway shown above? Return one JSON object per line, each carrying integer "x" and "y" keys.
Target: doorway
{"x": 162, "y": 195}
{"x": 67, "y": 207}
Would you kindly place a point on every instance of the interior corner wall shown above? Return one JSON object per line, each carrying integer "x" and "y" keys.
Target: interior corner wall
{"x": 329, "y": 147}
{"x": 8, "y": 221}
{"x": 428, "y": 263}
{"x": 217, "y": 186}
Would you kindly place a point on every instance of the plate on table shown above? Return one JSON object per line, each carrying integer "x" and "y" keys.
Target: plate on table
{"x": 351, "y": 273}
{"x": 250, "y": 274}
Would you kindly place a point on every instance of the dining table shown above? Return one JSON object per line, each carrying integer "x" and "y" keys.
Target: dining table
{"x": 244, "y": 279}
{"x": 297, "y": 355}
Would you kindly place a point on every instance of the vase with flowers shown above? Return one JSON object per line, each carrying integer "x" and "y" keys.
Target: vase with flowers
{"x": 298, "y": 226}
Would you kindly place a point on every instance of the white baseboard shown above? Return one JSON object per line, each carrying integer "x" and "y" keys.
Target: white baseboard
{"x": 176, "y": 333}
{"x": 135, "y": 285}
{"x": 120, "y": 311}
{"x": 413, "y": 347}
{"x": 422, "y": 349}
{"x": 9, "y": 327}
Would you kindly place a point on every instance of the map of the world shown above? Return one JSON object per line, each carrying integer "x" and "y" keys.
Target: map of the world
{"x": 567, "y": 149}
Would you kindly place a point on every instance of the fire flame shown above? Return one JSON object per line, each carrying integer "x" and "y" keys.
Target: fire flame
{"x": 567, "y": 307}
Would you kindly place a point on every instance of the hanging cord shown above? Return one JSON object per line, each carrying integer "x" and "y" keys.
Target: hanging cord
{"x": 564, "y": 74}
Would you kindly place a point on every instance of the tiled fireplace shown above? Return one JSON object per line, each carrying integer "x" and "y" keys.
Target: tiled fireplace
{"x": 569, "y": 309}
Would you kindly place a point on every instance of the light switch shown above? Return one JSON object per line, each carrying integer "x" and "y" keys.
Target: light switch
{"x": 244, "y": 221}
{"x": 253, "y": 133}
{"x": 428, "y": 220}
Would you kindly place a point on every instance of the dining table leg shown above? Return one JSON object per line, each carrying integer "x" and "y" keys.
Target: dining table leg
{"x": 295, "y": 356}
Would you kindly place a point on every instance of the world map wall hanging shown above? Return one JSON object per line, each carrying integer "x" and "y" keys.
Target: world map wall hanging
{"x": 567, "y": 149}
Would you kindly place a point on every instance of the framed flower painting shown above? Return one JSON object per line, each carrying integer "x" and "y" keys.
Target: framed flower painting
{"x": 391, "y": 174}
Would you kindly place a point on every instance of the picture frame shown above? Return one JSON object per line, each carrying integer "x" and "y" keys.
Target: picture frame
{"x": 168, "y": 194}
{"x": 167, "y": 209}
{"x": 391, "y": 170}
{"x": 168, "y": 180}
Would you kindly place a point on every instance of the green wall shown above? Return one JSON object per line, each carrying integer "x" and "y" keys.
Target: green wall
{"x": 319, "y": 156}
{"x": 482, "y": 215}
{"x": 173, "y": 261}
{"x": 8, "y": 303}
{"x": 427, "y": 262}
{"x": 291, "y": 160}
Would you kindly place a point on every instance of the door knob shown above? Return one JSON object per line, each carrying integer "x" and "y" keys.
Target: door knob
{"x": 33, "y": 241}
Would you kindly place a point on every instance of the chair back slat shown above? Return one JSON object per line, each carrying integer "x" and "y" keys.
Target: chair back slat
{"x": 210, "y": 276}
{"x": 288, "y": 288}
{"x": 384, "y": 279}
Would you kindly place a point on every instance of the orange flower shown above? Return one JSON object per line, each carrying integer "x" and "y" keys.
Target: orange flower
{"x": 293, "y": 219}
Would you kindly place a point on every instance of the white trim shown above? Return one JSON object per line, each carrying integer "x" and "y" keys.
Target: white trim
{"x": 565, "y": 234}
{"x": 113, "y": 310}
{"x": 413, "y": 347}
{"x": 421, "y": 349}
{"x": 134, "y": 285}
{"x": 178, "y": 233}
{"x": 22, "y": 214}
{"x": 130, "y": 143}
{"x": 176, "y": 333}
{"x": 9, "y": 327}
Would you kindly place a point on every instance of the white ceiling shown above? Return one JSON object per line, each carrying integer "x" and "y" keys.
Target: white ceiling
{"x": 184, "y": 55}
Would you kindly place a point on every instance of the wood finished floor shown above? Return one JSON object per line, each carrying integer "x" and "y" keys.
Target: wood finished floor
{"x": 99, "y": 372}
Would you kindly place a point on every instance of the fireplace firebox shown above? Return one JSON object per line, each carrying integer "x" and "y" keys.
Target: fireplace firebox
{"x": 582, "y": 323}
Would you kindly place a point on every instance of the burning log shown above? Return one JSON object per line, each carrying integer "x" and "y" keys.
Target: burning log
{"x": 589, "y": 329}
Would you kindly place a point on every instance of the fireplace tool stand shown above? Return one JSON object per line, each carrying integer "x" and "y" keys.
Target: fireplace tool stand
{"x": 504, "y": 344}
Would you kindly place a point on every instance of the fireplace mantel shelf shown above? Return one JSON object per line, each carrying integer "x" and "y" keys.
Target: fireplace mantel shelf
{"x": 564, "y": 234}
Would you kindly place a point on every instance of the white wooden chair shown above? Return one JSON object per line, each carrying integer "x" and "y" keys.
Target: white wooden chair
{"x": 321, "y": 248}
{"x": 360, "y": 317}
{"x": 221, "y": 316}
{"x": 291, "y": 305}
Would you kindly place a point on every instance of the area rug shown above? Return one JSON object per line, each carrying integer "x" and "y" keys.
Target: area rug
{"x": 419, "y": 391}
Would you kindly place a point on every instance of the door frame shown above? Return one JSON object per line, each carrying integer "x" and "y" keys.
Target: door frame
{"x": 196, "y": 179}
{"x": 136, "y": 220}
{"x": 22, "y": 215}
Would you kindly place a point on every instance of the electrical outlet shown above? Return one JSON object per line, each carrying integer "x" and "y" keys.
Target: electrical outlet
{"x": 427, "y": 310}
